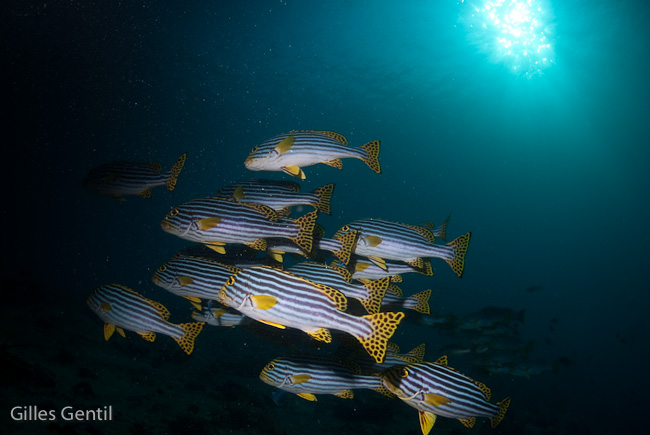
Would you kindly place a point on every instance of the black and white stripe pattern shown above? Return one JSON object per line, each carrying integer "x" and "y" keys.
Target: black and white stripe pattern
{"x": 119, "y": 305}
{"x": 308, "y": 148}
{"x": 233, "y": 222}
{"x": 301, "y": 303}
{"x": 193, "y": 277}
{"x": 467, "y": 398}
{"x": 279, "y": 195}
{"x": 304, "y": 374}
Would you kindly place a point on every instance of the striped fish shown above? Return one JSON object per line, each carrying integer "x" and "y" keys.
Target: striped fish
{"x": 435, "y": 389}
{"x": 370, "y": 293}
{"x": 121, "y": 178}
{"x": 417, "y": 302}
{"x": 381, "y": 240}
{"x": 220, "y": 317}
{"x": 307, "y": 376}
{"x": 218, "y": 221}
{"x": 279, "y": 195}
{"x": 440, "y": 231}
{"x": 193, "y": 278}
{"x": 289, "y": 152}
{"x": 122, "y": 308}
{"x": 362, "y": 268}
{"x": 282, "y": 299}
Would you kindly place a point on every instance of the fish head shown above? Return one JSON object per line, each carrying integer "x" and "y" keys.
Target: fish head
{"x": 257, "y": 159}
{"x": 179, "y": 221}
{"x": 97, "y": 304}
{"x": 165, "y": 277}
{"x": 268, "y": 375}
{"x": 228, "y": 294}
{"x": 393, "y": 379}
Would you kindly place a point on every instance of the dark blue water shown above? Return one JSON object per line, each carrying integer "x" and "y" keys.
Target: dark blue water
{"x": 548, "y": 170}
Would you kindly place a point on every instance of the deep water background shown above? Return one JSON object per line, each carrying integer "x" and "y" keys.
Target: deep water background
{"x": 550, "y": 174}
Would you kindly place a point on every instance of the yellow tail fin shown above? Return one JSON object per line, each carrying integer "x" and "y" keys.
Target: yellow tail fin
{"x": 305, "y": 237}
{"x": 503, "y": 407}
{"x": 372, "y": 155}
{"x": 192, "y": 330}
{"x": 324, "y": 195}
{"x": 460, "y": 246}
{"x": 376, "y": 291}
{"x": 175, "y": 170}
{"x": 383, "y": 327}
{"x": 421, "y": 302}
{"x": 348, "y": 243}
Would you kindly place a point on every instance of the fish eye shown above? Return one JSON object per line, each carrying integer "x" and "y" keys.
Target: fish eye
{"x": 174, "y": 212}
{"x": 162, "y": 268}
{"x": 254, "y": 149}
{"x": 345, "y": 228}
{"x": 403, "y": 373}
{"x": 231, "y": 280}
{"x": 271, "y": 366}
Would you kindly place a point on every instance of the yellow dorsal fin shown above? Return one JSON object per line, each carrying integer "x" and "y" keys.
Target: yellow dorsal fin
{"x": 418, "y": 352}
{"x": 263, "y": 302}
{"x": 265, "y": 210}
{"x": 307, "y": 396}
{"x": 417, "y": 263}
{"x": 427, "y": 420}
{"x": 487, "y": 393}
{"x": 285, "y": 145}
{"x": 396, "y": 278}
{"x": 334, "y": 135}
{"x": 300, "y": 379}
{"x": 392, "y": 347}
{"x": 109, "y": 328}
{"x": 424, "y": 232}
{"x": 441, "y": 361}
{"x": 155, "y": 166}
{"x": 206, "y": 224}
{"x": 162, "y": 310}
{"x": 336, "y": 296}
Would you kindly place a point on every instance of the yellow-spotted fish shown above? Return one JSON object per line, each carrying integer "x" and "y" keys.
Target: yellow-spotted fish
{"x": 122, "y": 308}
{"x": 381, "y": 240}
{"x": 121, "y": 178}
{"x": 307, "y": 376}
{"x": 435, "y": 389}
{"x": 282, "y": 299}
{"x": 290, "y": 152}
{"x": 216, "y": 222}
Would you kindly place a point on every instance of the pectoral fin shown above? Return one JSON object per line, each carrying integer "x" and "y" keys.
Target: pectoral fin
{"x": 299, "y": 379}
{"x": 285, "y": 145}
{"x": 206, "y": 224}
{"x": 435, "y": 399}
{"x": 263, "y": 302}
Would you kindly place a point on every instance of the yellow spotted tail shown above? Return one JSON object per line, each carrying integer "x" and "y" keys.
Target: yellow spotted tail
{"x": 503, "y": 407}
{"x": 192, "y": 330}
{"x": 460, "y": 246}
{"x": 175, "y": 170}
{"x": 305, "y": 237}
{"x": 324, "y": 195}
{"x": 383, "y": 327}
{"x": 372, "y": 155}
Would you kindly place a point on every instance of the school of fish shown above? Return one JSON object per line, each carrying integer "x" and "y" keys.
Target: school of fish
{"x": 342, "y": 289}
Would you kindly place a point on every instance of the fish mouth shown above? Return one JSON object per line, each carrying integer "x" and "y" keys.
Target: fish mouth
{"x": 166, "y": 225}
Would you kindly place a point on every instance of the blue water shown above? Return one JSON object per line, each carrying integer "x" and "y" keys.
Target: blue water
{"x": 548, "y": 170}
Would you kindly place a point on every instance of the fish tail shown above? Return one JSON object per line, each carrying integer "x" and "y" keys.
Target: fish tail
{"x": 372, "y": 155}
{"x": 376, "y": 291}
{"x": 348, "y": 241}
{"x": 383, "y": 327}
{"x": 305, "y": 224}
{"x": 190, "y": 332}
{"x": 174, "y": 171}
{"x": 441, "y": 231}
{"x": 324, "y": 195}
{"x": 503, "y": 407}
{"x": 460, "y": 245}
{"x": 421, "y": 302}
